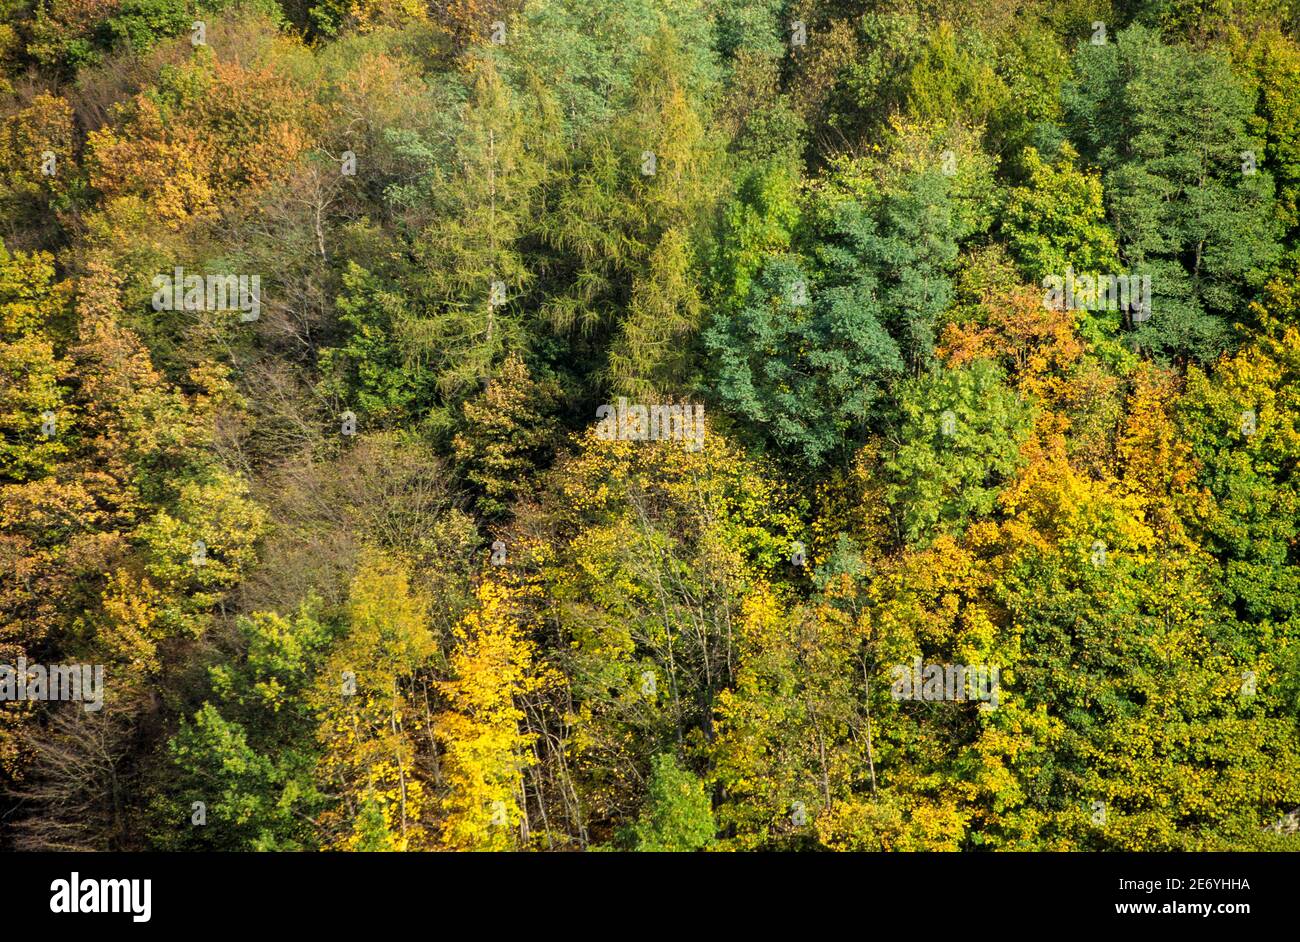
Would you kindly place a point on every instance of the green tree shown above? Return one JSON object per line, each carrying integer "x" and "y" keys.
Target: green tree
{"x": 1057, "y": 219}
{"x": 1169, "y": 126}
{"x": 627, "y": 224}
{"x": 250, "y": 754}
{"x": 810, "y": 355}
{"x": 510, "y": 432}
{"x": 677, "y": 816}
{"x": 757, "y": 222}
{"x": 472, "y": 274}
{"x": 1274, "y": 63}
{"x": 950, "y": 82}
{"x": 368, "y": 372}
{"x": 140, "y": 24}
{"x": 958, "y": 440}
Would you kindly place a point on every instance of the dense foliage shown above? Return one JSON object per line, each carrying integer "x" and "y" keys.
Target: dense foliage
{"x": 569, "y": 424}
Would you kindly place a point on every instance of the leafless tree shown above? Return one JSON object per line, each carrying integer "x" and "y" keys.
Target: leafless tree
{"x": 74, "y": 794}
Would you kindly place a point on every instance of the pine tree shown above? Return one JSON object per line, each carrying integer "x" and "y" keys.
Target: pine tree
{"x": 473, "y": 277}
{"x": 1169, "y": 126}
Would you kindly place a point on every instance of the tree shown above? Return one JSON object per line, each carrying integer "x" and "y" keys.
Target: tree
{"x": 757, "y": 222}
{"x": 652, "y": 548}
{"x": 1240, "y": 425}
{"x": 793, "y": 729}
{"x": 474, "y": 274}
{"x": 676, "y": 817}
{"x": 958, "y": 441}
{"x": 250, "y": 754}
{"x": 588, "y": 56}
{"x": 487, "y": 748}
{"x": 949, "y": 83}
{"x": 33, "y": 413}
{"x": 1274, "y": 61}
{"x": 627, "y": 224}
{"x": 198, "y": 550}
{"x": 1056, "y": 220}
{"x": 1168, "y": 127}
{"x": 510, "y": 432}
{"x": 140, "y": 24}
{"x": 29, "y": 138}
{"x": 478, "y": 620}
{"x": 370, "y": 697}
{"x": 810, "y": 355}
{"x": 368, "y": 372}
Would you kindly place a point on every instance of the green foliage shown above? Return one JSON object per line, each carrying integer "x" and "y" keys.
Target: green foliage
{"x": 510, "y": 431}
{"x": 757, "y": 222}
{"x": 367, "y": 372}
{"x": 587, "y": 55}
{"x": 1275, "y": 64}
{"x": 1240, "y": 424}
{"x": 484, "y": 621}
{"x": 1140, "y": 741}
{"x": 1033, "y": 63}
{"x": 1169, "y": 126}
{"x": 949, "y": 83}
{"x": 1057, "y": 220}
{"x": 249, "y": 756}
{"x": 471, "y": 274}
{"x": 200, "y": 548}
{"x": 811, "y": 353}
{"x": 140, "y": 24}
{"x": 753, "y": 27}
{"x": 958, "y": 440}
{"x": 627, "y": 222}
{"x": 677, "y": 816}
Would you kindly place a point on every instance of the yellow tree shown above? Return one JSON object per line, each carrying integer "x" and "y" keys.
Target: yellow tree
{"x": 34, "y": 418}
{"x": 36, "y": 164}
{"x": 486, "y": 747}
{"x": 367, "y": 699}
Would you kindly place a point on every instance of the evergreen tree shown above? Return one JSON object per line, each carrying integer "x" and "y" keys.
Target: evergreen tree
{"x": 1170, "y": 129}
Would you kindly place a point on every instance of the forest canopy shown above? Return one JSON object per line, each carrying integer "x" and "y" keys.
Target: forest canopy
{"x": 649, "y": 425}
